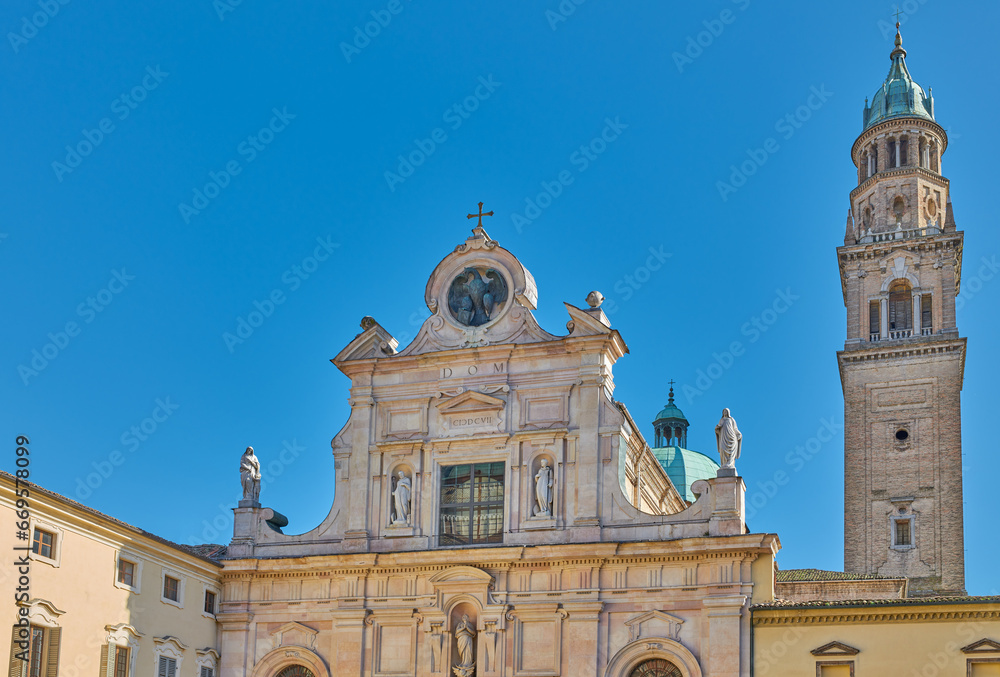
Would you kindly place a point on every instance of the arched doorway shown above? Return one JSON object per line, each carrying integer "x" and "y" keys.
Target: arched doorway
{"x": 295, "y": 671}
{"x": 656, "y": 667}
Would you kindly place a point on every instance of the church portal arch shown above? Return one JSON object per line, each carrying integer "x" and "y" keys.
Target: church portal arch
{"x": 654, "y": 655}
{"x": 291, "y": 661}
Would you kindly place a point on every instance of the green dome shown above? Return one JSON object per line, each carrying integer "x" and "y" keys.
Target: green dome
{"x": 899, "y": 95}
{"x": 669, "y": 411}
{"x": 685, "y": 467}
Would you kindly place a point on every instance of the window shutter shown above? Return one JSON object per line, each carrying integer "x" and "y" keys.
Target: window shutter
{"x": 167, "y": 667}
{"x": 16, "y": 664}
{"x": 104, "y": 661}
{"x": 52, "y": 656}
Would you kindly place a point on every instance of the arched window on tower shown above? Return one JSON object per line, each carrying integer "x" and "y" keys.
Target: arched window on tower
{"x": 934, "y": 158}
{"x": 874, "y": 160}
{"x": 890, "y": 150}
{"x": 904, "y": 144}
{"x": 900, "y": 310}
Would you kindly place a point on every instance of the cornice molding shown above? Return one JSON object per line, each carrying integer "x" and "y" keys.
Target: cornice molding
{"x": 763, "y": 617}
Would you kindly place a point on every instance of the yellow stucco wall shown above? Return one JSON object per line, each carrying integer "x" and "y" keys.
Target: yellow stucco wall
{"x": 81, "y": 584}
{"x": 923, "y": 640}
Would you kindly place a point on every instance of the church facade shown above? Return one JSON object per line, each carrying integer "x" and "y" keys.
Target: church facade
{"x": 496, "y": 512}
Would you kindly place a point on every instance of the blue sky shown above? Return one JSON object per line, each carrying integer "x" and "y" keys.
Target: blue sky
{"x": 168, "y": 167}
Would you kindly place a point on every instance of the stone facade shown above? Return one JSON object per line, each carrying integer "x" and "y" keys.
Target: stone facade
{"x": 590, "y": 569}
{"x": 903, "y": 360}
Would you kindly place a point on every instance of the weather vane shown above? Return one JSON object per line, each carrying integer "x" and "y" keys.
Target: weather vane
{"x": 481, "y": 214}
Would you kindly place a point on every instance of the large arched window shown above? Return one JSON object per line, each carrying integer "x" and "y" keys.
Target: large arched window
{"x": 900, "y": 308}
{"x": 657, "y": 667}
{"x": 295, "y": 671}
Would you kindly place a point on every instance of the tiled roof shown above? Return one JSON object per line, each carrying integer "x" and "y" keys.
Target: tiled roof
{"x": 797, "y": 575}
{"x": 212, "y": 551}
{"x": 193, "y": 550}
{"x": 847, "y": 604}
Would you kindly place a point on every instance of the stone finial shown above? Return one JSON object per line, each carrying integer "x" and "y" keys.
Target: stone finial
{"x": 595, "y": 299}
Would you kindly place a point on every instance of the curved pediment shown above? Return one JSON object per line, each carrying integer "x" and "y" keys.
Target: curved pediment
{"x": 461, "y": 574}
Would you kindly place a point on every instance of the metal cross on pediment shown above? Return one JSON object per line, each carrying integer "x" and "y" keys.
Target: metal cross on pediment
{"x": 481, "y": 214}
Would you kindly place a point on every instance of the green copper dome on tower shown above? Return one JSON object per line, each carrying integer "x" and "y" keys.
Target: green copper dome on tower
{"x": 899, "y": 95}
{"x": 683, "y": 466}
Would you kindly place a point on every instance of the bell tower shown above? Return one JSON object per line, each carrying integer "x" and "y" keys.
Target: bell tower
{"x": 903, "y": 360}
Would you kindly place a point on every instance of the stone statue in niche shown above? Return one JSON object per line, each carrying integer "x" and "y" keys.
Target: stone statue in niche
{"x": 401, "y": 493}
{"x": 465, "y": 642}
{"x": 250, "y": 476}
{"x": 473, "y": 300}
{"x": 729, "y": 439}
{"x": 543, "y": 490}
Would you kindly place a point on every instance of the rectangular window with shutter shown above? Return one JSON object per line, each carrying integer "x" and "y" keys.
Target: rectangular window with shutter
{"x": 989, "y": 667}
{"x": 209, "y": 602}
{"x": 207, "y": 672}
{"x": 126, "y": 572}
{"x": 37, "y": 660}
{"x": 42, "y": 653}
{"x": 874, "y": 317}
{"x": 167, "y": 667}
{"x": 836, "y": 670}
{"x": 903, "y": 536}
{"x": 121, "y": 661}
{"x": 170, "y": 588}
{"x": 926, "y": 319}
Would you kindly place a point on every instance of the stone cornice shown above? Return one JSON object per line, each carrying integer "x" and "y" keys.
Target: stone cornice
{"x": 897, "y": 172}
{"x": 746, "y": 547}
{"x": 876, "y": 250}
{"x": 848, "y": 616}
{"x": 905, "y": 348}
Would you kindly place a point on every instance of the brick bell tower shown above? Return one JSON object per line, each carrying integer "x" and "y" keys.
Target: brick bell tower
{"x": 902, "y": 363}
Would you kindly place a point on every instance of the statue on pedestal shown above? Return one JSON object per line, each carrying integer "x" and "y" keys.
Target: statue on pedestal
{"x": 250, "y": 476}
{"x": 465, "y": 642}
{"x": 543, "y": 490}
{"x": 729, "y": 439}
{"x": 401, "y": 493}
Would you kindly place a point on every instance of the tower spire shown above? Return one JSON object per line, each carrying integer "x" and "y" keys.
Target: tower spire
{"x": 898, "y": 51}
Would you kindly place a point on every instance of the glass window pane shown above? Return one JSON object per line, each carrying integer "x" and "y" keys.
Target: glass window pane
{"x": 36, "y": 657}
{"x": 472, "y": 500}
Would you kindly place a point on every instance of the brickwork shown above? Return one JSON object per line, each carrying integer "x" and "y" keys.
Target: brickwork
{"x": 902, "y": 378}
{"x": 916, "y": 179}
